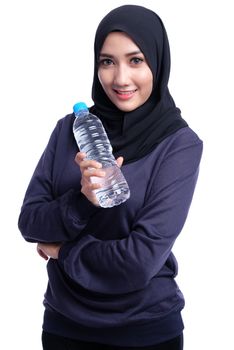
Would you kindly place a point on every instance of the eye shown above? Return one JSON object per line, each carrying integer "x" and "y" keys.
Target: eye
{"x": 137, "y": 60}
{"x": 105, "y": 62}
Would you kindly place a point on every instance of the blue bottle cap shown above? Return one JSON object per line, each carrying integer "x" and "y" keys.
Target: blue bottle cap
{"x": 79, "y": 107}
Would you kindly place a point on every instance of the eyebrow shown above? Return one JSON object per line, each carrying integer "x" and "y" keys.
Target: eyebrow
{"x": 103, "y": 54}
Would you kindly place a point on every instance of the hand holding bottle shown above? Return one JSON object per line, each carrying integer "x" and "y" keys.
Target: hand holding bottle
{"x": 89, "y": 169}
{"x": 92, "y": 140}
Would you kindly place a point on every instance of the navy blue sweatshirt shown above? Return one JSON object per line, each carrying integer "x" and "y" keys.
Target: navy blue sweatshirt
{"x": 114, "y": 280}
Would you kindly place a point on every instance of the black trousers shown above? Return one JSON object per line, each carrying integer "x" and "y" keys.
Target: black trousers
{"x": 54, "y": 342}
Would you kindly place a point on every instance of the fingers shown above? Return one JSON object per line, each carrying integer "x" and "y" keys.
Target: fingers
{"x": 87, "y": 163}
{"x": 89, "y": 185}
{"x": 41, "y": 253}
{"x": 48, "y": 250}
{"x": 119, "y": 161}
{"x": 93, "y": 172}
{"x": 84, "y": 163}
{"x": 92, "y": 175}
{"x": 79, "y": 157}
{"x": 89, "y": 168}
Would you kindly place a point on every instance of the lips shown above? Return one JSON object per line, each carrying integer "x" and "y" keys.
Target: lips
{"x": 124, "y": 95}
{"x": 124, "y": 92}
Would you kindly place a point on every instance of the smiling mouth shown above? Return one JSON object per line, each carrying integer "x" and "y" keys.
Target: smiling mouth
{"x": 124, "y": 93}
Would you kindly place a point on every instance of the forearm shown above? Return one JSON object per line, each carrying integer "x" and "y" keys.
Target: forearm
{"x": 59, "y": 220}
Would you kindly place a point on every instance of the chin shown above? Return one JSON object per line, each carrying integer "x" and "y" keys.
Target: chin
{"x": 125, "y": 107}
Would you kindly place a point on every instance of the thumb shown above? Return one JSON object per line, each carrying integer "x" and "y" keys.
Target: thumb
{"x": 119, "y": 161}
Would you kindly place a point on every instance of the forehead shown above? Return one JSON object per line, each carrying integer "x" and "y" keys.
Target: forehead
{"x": 116, "y": 41}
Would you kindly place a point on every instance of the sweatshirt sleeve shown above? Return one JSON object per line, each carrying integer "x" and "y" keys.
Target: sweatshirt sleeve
{"x": 44, "y": 218}
{"x": 128, "y": 264}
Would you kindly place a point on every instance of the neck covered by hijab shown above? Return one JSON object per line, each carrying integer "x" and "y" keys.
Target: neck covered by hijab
{"x": 135, "y": 134}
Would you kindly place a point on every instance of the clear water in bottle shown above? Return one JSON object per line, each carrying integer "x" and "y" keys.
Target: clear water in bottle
{"x": 91, "y": 138}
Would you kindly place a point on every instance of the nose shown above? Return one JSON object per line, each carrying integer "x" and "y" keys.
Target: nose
{"x": 121, "y": 77}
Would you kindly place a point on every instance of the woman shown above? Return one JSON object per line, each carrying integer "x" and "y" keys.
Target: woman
{"x": 112, "y": 271}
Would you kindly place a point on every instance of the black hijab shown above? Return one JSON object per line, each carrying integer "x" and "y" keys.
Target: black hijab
{"x": 134, "y": 134}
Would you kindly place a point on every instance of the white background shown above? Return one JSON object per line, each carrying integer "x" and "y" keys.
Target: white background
{"x": 46, "y": 65}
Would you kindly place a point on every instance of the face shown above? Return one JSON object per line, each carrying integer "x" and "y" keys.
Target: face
{"x": 124, "y": 73}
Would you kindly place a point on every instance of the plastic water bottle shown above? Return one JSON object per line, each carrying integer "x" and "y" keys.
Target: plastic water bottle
{"x": 92, "y": 139}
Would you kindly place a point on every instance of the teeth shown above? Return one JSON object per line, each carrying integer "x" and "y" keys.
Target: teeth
{"x": 125, "y": 92}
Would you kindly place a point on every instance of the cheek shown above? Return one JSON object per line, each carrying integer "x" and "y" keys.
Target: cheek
{"x": 150, "y": 86}
{"x": 104, "y": 78}
{"x": 146, "y": 81}
{"x": 99, "y": 76}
